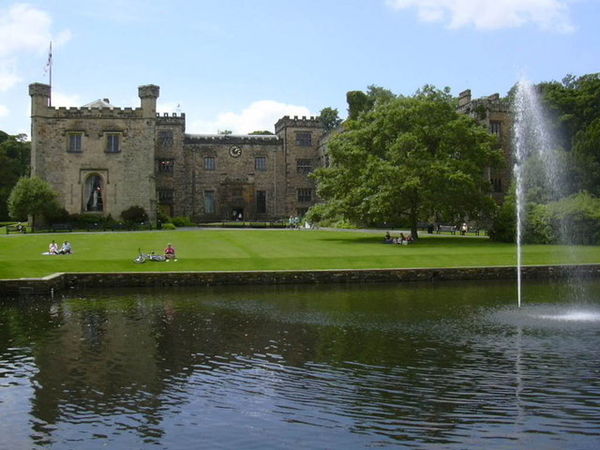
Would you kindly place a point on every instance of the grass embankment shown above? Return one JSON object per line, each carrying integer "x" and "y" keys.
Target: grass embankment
{"x": 219, "y": 250}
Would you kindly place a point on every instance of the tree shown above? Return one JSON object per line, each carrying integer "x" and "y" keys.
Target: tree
{"x": 409, "y": 159}
{"x": 261, "y": 132}
{"x": 225, "y": 132}
{"x": 360, "y": 102}
{"x": 330, "y": 118}
{"x": 32, "y": 197}
{"x": 14, "y": 163}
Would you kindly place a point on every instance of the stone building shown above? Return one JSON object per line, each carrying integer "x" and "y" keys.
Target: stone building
{"x": 102, "y": 160}
{"x": 494, "y": 113}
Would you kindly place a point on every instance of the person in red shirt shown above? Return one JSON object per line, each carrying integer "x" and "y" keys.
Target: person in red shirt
{"x": 170, "y": 253}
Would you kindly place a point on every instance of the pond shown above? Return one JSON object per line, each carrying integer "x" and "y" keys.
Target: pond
{"x": 452, "y": 365}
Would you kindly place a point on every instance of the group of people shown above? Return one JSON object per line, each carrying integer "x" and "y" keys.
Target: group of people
{"x": 65, "y": 249}
{"x": 400, "y": 240}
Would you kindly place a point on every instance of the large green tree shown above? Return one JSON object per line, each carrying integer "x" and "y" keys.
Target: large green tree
{"x": 330, "y": 118}
{"x": 32, "y": 197}
{"x": 14, "y": 163}
{"x": 575, "y": 107}
{"x": 409, "y": 159}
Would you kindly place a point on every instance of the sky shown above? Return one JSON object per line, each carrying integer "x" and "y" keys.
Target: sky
{"x": 240, "y": 65}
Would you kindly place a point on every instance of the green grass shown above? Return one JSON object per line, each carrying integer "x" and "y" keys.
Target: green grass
{"x": 219, "y": 250}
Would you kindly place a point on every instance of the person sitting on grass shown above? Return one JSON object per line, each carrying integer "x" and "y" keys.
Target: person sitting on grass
{"x": 53, "y": 248}
{"x": 170, "y": 253}
{"x": 66, "y": 249}
{"x": 388, "y": 238}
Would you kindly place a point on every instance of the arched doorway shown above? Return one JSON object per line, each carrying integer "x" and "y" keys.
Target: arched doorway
{"x": 94, "y": 193}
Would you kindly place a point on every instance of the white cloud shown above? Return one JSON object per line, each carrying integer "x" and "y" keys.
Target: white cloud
{"x": 3, "y": 111}
{"x": 492, "y": 14}
{"x": 24, "y": 30}
{"x": 260, "y": 115}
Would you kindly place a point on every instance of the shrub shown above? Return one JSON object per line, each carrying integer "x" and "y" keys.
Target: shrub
{"x": 168, "y": 226}
{"x": 134, "y": 215}
{"x": 182, "y": 221}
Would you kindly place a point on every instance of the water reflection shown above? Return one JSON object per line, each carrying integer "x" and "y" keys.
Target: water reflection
{"x": 453, "y": 365}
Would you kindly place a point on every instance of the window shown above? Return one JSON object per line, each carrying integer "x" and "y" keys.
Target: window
{"x": 304, "y": 195}
{"x": 165, "y": 138}
{"x": 165, "y": 196}
{"x": 210, "y": 163}
{"x": 75, "y": 141}
{"x": 303, "y": 138}
{"x": 165, "y": 166}
{"x": 496, "y": 184}
{"x": 303, "y": 166}
{"x": 112, "y": 143}
{"x": 496, "y": 127}
{"x": 209, "y": 202}
{"x": 260, "y": 163}
{"x": 261, "y": 202}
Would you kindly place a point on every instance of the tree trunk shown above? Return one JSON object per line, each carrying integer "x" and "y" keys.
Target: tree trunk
{"x": 413, "y": 222}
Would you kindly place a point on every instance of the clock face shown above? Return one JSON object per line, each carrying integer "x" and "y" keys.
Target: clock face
{"x": 235, "y": 151}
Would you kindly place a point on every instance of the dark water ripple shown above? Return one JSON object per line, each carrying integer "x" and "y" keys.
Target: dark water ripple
{"x": 304, "y": 368}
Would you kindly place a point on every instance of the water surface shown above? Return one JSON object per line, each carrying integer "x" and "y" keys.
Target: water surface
{"x": 450, "y": 365}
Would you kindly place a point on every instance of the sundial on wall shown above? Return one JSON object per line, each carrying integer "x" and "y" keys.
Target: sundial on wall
{"x": 235, "y": 151}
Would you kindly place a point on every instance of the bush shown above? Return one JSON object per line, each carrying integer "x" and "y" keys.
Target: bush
{"x": 182, "y": 221}
{"x": 134, "y": 215}
{"x": 504, "y": 228}
{"x": 168, "y": 226}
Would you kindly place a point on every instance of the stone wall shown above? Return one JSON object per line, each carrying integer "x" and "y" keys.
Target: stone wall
{"x": 61, "y": 282}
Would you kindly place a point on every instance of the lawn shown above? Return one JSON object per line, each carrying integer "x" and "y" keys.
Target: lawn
{"x": 235, "y": 250}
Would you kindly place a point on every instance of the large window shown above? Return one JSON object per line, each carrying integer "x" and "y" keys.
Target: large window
{"x": 210, "y": 163}
{"x": 303, "y": 166}
{"x": 165, "y": 166}
{"x": 496, "y": 127}
{"x": 75, "y": 143}
{"x": 260, "y": 163}
{"x": 113, "y": 143}
{"x": 209, "y": 202}
{"x": 304, "y": 195}
{"x": 165, "y": 138}
{"x": 261, "y": 202}
{"x": 166, "y": 196}
{"x": 304, "y": 138}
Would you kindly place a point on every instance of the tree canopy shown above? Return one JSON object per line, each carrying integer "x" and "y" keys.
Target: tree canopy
{"x": 32, "y": 197}
{"x": 330, "y": 118}
{"x": 409, "y": 159}
{"x": 14, "y": 163}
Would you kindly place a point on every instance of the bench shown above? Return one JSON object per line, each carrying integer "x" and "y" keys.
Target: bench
{"x": 61, "y": 227}
{"x": 16, "y": 229}
{"x": 446, "y": 229}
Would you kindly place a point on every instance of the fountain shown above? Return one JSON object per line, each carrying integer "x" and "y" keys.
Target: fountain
{"x": 535, "y": 161}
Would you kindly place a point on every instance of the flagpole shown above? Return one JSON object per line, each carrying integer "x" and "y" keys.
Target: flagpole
{"x": 50, "y": 74}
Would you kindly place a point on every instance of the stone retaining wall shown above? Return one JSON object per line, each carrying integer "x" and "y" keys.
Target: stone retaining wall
{"x": 60, "y": 281}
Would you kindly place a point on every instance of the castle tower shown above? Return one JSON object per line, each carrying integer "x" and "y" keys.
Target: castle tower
{"x": 148, "y": 95}
{"x": 40, "y": 102}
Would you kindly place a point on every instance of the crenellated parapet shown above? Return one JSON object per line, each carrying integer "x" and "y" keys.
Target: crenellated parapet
{"x": 95, "y": 113}
{"x": 298, "y": 122}
{"x": 239, "y": 139}
{"x": 170, "y": 119}
{"x": 481, "y": 106}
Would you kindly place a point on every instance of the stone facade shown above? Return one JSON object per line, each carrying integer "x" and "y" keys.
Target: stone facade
{"x": 493, "y": 112}
{"x": 103, "y": 160}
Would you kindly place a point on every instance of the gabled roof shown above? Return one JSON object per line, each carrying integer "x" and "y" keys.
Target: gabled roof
{"x": 100, "y": 103}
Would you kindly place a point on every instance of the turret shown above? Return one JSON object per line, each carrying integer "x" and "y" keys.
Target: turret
{"x": 148, "y": 95}
{"x": 40, "y": 98}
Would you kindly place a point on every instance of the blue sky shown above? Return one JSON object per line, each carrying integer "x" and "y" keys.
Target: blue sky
{"x": 239, "y": 65}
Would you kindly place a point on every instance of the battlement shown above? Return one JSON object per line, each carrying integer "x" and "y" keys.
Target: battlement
{"x": 241, "y": 139}
{"x": 149, "y": 91}
{"x": 39, "y": 89}
{"x": 491, "y": 103}
{"x": 298, "y": 122}
{"x": 63, "y": 112}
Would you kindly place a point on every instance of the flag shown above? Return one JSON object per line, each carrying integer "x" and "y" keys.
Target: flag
{"x": 49, "y": 63}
